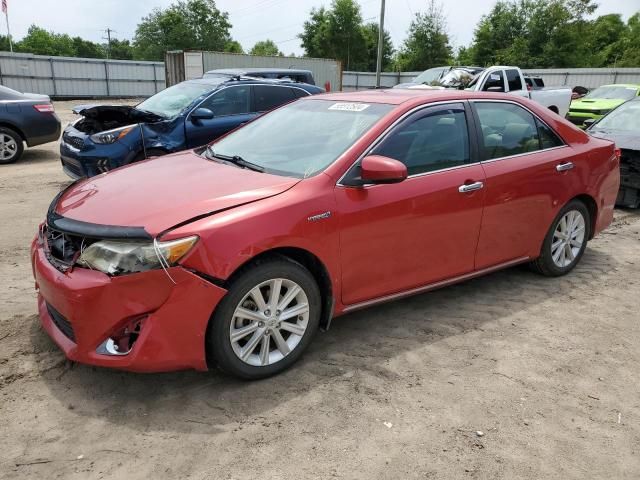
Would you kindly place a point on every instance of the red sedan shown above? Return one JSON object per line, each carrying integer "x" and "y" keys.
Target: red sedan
{"x": 236, "y": 253}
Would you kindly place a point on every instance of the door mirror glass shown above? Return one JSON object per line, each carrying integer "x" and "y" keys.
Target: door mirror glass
{"x": 202, "y": 114}
{"x": 379, "y": 169}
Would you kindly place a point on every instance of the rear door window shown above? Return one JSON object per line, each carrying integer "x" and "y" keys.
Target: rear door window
{"x": 229, "y": 101}
{"x": 513, "y": 79}
{"x": 507, "y": 129}
{"x": 268, "y": 97}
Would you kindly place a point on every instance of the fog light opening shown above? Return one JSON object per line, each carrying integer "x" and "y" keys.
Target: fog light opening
{"x": 122, "y": 341}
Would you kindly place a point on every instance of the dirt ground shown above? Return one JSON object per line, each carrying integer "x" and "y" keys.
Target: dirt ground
{"x": 548, "y": 370}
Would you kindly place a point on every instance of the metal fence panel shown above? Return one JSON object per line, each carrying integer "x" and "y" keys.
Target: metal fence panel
{"x": 364, "y": 80}
{"x": 325, "y": 71}
{"x": 80, "y": 77}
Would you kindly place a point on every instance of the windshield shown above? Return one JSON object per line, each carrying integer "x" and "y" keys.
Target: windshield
{"x": 173, "y": 100}
{"x": 624, "y": 118}
{"x": 302, "y": 138}
{"x": 429, "y": 76}
{"x": 613, "y": 92}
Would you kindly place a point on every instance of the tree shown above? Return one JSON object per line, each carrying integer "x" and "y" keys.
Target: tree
{"x": 536, "y": 33}
{"x": 187, "y": 24}
{"x": 266, "y": 47}
{"x": 121, "y": 50}
{"x": 370, "y": 32}
{"x": 427, "y": 44}
{"x": 41, "y": 42}
{"x": 336, "y": 33}
{"x": 87, "y": 49}
{"x": 233, "y": 46}
{"x": 629, "y": 44}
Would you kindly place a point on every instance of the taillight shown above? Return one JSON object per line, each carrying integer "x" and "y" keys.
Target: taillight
{"x": 529, "y": 87}
{"x": 44, "y": 108}
{"x": 618, "y": 153}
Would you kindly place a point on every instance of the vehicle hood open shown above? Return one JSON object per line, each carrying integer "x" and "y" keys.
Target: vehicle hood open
{"x": 124, "y": 113}
{"x": 160, "y": 193}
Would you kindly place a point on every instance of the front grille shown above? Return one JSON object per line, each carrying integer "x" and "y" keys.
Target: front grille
{"x": 62, "y": 323}
{"x": 75, "y": 142}
{"x": 630, "y": 168}
{"x": 73, "y": 166}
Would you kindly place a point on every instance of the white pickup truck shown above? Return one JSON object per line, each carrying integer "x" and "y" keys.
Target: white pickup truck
{"x": 511, "y": 80}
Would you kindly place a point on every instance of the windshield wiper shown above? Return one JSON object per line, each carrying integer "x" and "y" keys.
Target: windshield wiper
{"x": 235, "y": 159}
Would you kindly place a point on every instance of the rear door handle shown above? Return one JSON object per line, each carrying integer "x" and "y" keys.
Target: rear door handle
{"x": 471, "y": 187}
{"x": 563, "y": 167}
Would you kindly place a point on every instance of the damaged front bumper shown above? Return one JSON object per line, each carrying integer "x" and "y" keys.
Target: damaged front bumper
{"x": 140, "y": 322}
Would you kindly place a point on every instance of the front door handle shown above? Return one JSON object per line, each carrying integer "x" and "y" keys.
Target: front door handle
{"x": 563, "y": 167}
{"x": 471, "y": 187}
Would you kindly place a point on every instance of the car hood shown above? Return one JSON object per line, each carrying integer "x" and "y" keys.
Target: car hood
{"x": 162, "y": 192}
{"x": 596, "y": 103}
{"x": 627, "y": 141}
{"x": 103, "y": 112}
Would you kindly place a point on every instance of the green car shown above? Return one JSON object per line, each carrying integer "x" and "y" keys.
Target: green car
{"x": 597, "y": 103}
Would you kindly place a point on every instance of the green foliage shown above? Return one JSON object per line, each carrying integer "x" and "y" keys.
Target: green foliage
{"x": 121, "y": 50}
{"x": 266, "y": 47}
{"x": 370, "y": 32}
{"x": 233, "y": 46}
{"x": 190, "y": 24}
{"x": 87, "y": 49}
{"x": 41, "y": 42}
{"x": 427, "y": 44}
{"x": 553, "y": 33}
{"x": 340, "y": 34}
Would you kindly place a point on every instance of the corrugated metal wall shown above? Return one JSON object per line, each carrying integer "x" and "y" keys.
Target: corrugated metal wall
{"x": 80, "y": 77}
{"x": 584, "y": 77}
{"x": 324, "y": 70}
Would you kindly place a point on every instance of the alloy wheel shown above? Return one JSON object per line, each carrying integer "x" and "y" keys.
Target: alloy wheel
{"x": 568, "y": 238}
{"x": 8, "y": 147}
{"x": 269, "y": 322}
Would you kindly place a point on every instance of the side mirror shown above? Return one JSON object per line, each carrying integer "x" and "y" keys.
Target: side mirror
{"x": 201, "y": 114}
{"x": 588, "y": 122}
{"x": 379, "y": 169}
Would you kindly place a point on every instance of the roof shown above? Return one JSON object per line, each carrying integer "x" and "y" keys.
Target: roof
{"x": 397, "y": 96}
{"x": 237, "y": 71}
{"x": 215, "y": 81}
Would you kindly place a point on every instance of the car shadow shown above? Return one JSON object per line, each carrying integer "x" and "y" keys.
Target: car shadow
{"x": 361, "y": 342}
{"x": 37, "y": 155}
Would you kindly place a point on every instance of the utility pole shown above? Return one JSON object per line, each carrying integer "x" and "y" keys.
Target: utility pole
{"x": 108, "y": 39}
{"x": 380, "y": 44}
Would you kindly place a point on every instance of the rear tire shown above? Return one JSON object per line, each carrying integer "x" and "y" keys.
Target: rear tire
{"x": 253, "y": 334}
{"x": 565, "y": 242}
{"x": 11, "y": 146}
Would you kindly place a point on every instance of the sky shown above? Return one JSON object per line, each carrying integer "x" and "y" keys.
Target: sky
{"x": 252, "y": 20}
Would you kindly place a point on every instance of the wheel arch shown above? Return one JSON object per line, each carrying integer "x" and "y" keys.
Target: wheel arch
{"x": 6, "y": 124}
{"x": 308, "y": 260}
{"x": 592, "y": 207}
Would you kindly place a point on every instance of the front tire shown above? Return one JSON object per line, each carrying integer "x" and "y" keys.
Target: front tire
{"x": 565, "y": 242}
{"x": 266, "y": 320}
{"x": 11, "y": 146}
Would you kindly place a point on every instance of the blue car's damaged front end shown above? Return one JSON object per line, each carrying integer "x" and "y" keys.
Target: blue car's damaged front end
{"x": 87, "y": 149}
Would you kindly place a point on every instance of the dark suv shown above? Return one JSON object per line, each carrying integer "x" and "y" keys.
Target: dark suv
{"x": 186, "y": 115}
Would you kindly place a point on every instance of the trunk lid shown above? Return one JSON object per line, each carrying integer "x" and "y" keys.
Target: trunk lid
{"x": 160, "y": 193}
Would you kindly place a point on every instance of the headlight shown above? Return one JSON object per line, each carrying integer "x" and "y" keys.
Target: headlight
{"x": 116, "y": 257}
{"x": 110, "y": 136}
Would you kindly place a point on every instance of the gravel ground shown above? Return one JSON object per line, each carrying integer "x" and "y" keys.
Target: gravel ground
{"x": 508, "y": 376}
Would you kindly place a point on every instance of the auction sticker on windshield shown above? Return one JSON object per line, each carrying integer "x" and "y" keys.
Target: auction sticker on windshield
{"x": 350, "y": 107}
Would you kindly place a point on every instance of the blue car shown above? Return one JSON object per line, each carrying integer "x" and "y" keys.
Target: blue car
{"x": 186, "y": 115}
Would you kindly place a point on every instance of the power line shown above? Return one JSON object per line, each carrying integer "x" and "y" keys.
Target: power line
{"x": 108, "y": 31}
